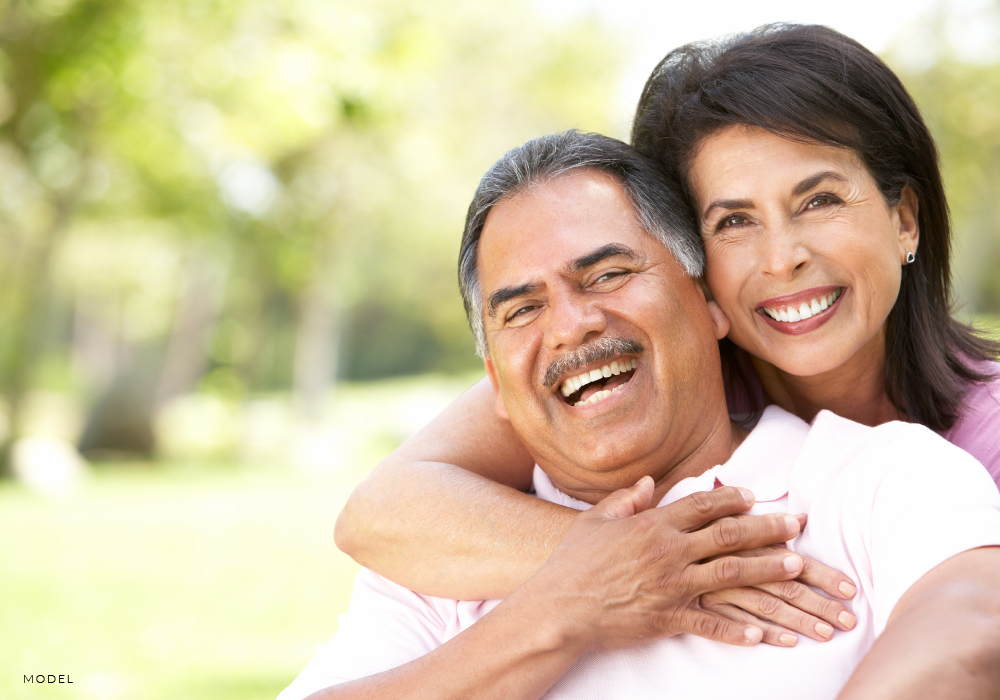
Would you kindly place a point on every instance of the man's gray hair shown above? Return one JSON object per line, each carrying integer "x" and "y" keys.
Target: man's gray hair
{"x": 659, "y": 207}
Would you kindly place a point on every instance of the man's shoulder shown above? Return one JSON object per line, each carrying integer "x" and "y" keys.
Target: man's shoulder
{"x": 843, "y": 437}
{"x": 898, "y": 452}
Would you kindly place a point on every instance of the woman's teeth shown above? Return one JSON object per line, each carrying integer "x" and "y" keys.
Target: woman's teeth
{"x": 616, "y": 367}
{"x": 790, "y": 314}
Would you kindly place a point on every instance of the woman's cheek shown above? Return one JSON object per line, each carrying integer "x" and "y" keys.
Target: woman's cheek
{"x": 726, "y": 281}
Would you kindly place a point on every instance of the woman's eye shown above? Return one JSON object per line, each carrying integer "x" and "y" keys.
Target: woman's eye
{"x": 731, "y": 221}
{"x": 820, "y": 201}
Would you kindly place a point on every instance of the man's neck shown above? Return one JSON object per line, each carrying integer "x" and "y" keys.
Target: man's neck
{"x": 706, "y": 441}
{"x": 718, "y": 446}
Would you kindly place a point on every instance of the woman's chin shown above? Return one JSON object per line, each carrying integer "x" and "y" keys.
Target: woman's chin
{"x": 804, "y": 362}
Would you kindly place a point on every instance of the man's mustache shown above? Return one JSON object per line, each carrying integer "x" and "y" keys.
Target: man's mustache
{"x": 600, "y": 349}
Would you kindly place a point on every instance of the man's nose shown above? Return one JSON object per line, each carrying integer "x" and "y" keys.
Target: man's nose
{"x": 573, "y": 318}
{"x": 783, "y": 251}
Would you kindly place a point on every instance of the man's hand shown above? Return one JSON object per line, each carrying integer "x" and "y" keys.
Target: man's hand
{"x": 783, "y": 608}
{"x": 624, "y": 575}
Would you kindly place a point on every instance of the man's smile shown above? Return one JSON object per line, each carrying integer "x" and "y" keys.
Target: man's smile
{"x": 596, "y": 384}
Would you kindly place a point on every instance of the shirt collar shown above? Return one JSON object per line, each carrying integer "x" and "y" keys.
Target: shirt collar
{"x": 763, "y": 464}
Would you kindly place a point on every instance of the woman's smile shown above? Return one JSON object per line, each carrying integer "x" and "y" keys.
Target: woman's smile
{"x": 804, "y": 312}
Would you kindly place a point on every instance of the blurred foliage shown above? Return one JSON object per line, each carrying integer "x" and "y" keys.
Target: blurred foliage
{"x": 950, "y": 62}
{"x": 225, "y": 194}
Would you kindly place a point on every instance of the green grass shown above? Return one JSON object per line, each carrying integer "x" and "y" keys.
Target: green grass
{"x": 186, "y": 581}
{"x": 169, "y": 585}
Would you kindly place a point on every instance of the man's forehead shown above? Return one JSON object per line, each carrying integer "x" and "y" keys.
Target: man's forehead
{"x": 556, "y": 224}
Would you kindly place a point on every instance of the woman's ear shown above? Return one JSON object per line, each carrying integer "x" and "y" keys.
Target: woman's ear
{"x": 491, "y": 372}
{"x": 719, "y": 320}
{"x": 909, "y": 226}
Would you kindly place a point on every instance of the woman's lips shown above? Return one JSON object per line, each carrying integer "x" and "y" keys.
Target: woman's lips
{"x": 815, "y": 302}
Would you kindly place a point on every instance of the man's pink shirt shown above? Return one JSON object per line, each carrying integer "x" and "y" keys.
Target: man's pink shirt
{"x": 885, "y": 506}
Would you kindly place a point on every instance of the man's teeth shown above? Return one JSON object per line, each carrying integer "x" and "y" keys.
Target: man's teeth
{"x": 790, "y": 314}
{"x": 616, "y": 367}
{"x": 599, "y": 396}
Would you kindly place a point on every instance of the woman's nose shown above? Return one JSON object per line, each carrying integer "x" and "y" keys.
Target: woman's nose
{"x": 783, "y": 252}
{"x": 573, "y": 318}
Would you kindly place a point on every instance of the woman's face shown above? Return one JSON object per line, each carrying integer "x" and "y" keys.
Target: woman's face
{"x": 803, "y": 254}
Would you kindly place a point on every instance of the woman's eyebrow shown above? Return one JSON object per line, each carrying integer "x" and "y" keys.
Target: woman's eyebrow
{"x": 814, "y": 180}
{"x": 801, "y": 188}
{"x": 727, "y": 204}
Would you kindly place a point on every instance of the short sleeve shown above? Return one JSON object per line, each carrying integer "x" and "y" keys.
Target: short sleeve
{"x": 931, "y": 502}
{"x": 977, "y": 430}
{"x": 385, "y": 626}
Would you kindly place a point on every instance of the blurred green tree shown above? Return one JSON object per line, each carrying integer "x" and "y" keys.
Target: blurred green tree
{"x": 224, "y": 194}
{"x": 956, "y": 84}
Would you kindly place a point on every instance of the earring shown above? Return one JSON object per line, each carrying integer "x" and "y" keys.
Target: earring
{"x": 910, "y": 257}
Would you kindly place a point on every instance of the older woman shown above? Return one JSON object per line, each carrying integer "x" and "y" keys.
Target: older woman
{"x": 818, "y": 197}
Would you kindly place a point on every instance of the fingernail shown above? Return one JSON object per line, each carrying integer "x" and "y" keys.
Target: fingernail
{"x": 788, "y": 639}
{"x": 824, "y": 630}
{"x": 847, "y": 589}
{"x": 792, "y": 564}
{"x": 792, "y": 524}
{"x": 749, "y": 498}
{"x": 847, "y": 619}
{"x": 752, "y": 635}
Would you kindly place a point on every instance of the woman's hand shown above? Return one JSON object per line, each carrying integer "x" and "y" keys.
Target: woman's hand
{"x": 784, "y": 608}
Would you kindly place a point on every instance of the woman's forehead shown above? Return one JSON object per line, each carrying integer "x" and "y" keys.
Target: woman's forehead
{"x": 738, "y": 160}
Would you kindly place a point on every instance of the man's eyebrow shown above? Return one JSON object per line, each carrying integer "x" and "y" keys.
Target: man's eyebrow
{"x": 607, "y": 251}
{"x": 505, "y": 294}
{"x": 814, "y": 180}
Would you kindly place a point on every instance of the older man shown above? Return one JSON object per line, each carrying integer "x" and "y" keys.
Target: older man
{"x": 602, "y": 351}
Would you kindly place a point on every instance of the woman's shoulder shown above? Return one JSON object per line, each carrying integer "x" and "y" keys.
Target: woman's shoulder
{"x": 977, "y": 430}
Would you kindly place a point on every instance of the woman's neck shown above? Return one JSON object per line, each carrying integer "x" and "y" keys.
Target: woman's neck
{"x": 855, "y": 390}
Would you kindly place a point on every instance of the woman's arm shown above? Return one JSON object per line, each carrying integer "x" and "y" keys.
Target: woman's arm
{"x": 445, "y": 514}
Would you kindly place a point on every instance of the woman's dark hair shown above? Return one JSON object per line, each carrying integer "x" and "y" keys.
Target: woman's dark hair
{"x": 810, "y": 83}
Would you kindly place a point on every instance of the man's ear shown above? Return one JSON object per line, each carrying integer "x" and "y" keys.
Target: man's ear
{"x": 703, "y": 285}
{"x": 491, "y": 372}
{"x": 719, "y": 320}
{"x": 909, "y": 226}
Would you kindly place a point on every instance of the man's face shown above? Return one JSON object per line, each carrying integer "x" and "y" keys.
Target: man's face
{"x": 572, "y": 284}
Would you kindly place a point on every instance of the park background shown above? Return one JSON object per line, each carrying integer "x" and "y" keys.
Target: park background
{"x": 228, "y": 234}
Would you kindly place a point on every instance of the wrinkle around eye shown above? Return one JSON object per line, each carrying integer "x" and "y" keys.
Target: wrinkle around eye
{"x": 719, "y": 231}
{"x": 521, "y": 312}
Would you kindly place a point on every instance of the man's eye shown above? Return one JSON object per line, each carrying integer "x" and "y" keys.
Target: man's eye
{"x": 520, "y": 312}
{"x": 608, "y": 275}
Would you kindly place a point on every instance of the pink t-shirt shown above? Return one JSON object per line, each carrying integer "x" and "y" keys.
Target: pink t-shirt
{"x": 880, "y": 508}
{"x": 977, "y": 430}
